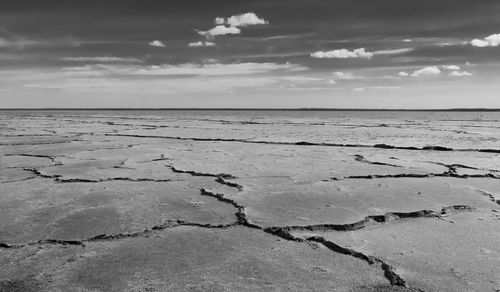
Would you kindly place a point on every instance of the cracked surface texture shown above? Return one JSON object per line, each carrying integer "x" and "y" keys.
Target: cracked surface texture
{"x": 249, "y": 201}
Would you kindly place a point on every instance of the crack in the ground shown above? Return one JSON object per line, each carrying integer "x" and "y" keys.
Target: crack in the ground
{"x": 361, "y": 158}
{"x": 111, "y": 237}
{"x": 490, "y": 196}
{"x": 195, "y": 173}
{"x": 220, "y": 177}
{"x": 389, "y": 271}
{"x": 51, "y": 158}
{"x": 39, "y": 143}
{"x": 373, "y": 220}
{"x": 282, "y": 232}
{"x": 448, "y": 173}
{"x": 18, "y": 180}
{"x": 304, "y": 143}
{"x": 59, "y": 178}
{"x": 240, "y": 215}
{"x": 453, "y": 168}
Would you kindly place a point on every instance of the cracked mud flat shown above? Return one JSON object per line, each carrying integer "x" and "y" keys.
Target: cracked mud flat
{"x": 257, "y": 201}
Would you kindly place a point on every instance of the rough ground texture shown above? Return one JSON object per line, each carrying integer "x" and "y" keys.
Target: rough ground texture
{"x": 258, "y": 201}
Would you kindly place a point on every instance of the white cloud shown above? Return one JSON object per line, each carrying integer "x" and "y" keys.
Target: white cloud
{"x": 219, "y": 20}
{"x": 201, "y": 44}
{"x": 403, "y": 74}
{"x": 427, "y": 71}
{"x": 407, "y": 40}
{"x": 345, "y": 76}
{"x": 460, "y": 74}
{"x": 357, "y": 53}
{"x": 359, "y": 89}
{"x": 489, "y": 41}
{"x": 342, "y": 54}
{"x": 245, "y": 19}
{"x": 451, "y": 67}
{"x": 220, "y": 30}
{"x": 393, "y": 52}
{"x": 157, "y": 43}
{"x": 231, "y": 24}
{"x": 105, "y": 59}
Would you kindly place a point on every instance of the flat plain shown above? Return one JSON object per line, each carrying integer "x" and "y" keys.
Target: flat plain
{"x": 249, "y": 201}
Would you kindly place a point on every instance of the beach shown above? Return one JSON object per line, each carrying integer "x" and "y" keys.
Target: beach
{"x": 221, "y": 200}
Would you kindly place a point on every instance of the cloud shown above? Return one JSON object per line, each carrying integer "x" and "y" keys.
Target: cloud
{"x": 163, "y": 79}
{"x": 217, "y": 69}
{"x": 407, "y": 40}
{"x": 231, "y": 24}
{"x": 359, "y": 89}
{"x": 201, "y": 44}
{"x": 435, "y": 70}
{"x": 431, "y": 70}
{"x": 357, "y": 53}
{"x": 219, "y": 20}
{"x": 460, "y": 74}
{"x": 16, "y": 43}
{"x": 220, "y": 30}
{"x": 346, "y": 76}
{"x": 105, "y": 59}
{"x": 393, "y": 52}
{"x": 489, "y": 41}
{"x": 427, "y": 71}
{"x": 342, "y": 54}
{"x": 451, "y": 67}
{"x": 245, "y": 19}
{"x": 157, "y": 43}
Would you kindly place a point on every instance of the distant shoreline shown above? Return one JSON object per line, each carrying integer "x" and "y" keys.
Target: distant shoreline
{"x": 258, "y": 109}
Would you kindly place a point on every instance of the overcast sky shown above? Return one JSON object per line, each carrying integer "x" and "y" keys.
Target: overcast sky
{"x": 229, "y": 53}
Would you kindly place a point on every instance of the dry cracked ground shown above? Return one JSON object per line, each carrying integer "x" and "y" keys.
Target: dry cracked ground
{"x": 231, "y": 201}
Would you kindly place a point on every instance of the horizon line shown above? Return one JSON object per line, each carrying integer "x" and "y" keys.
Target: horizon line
{"x": 256, "y": 109}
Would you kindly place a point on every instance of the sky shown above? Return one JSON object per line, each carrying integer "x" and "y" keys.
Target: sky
{"x": 250, "y": 54}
